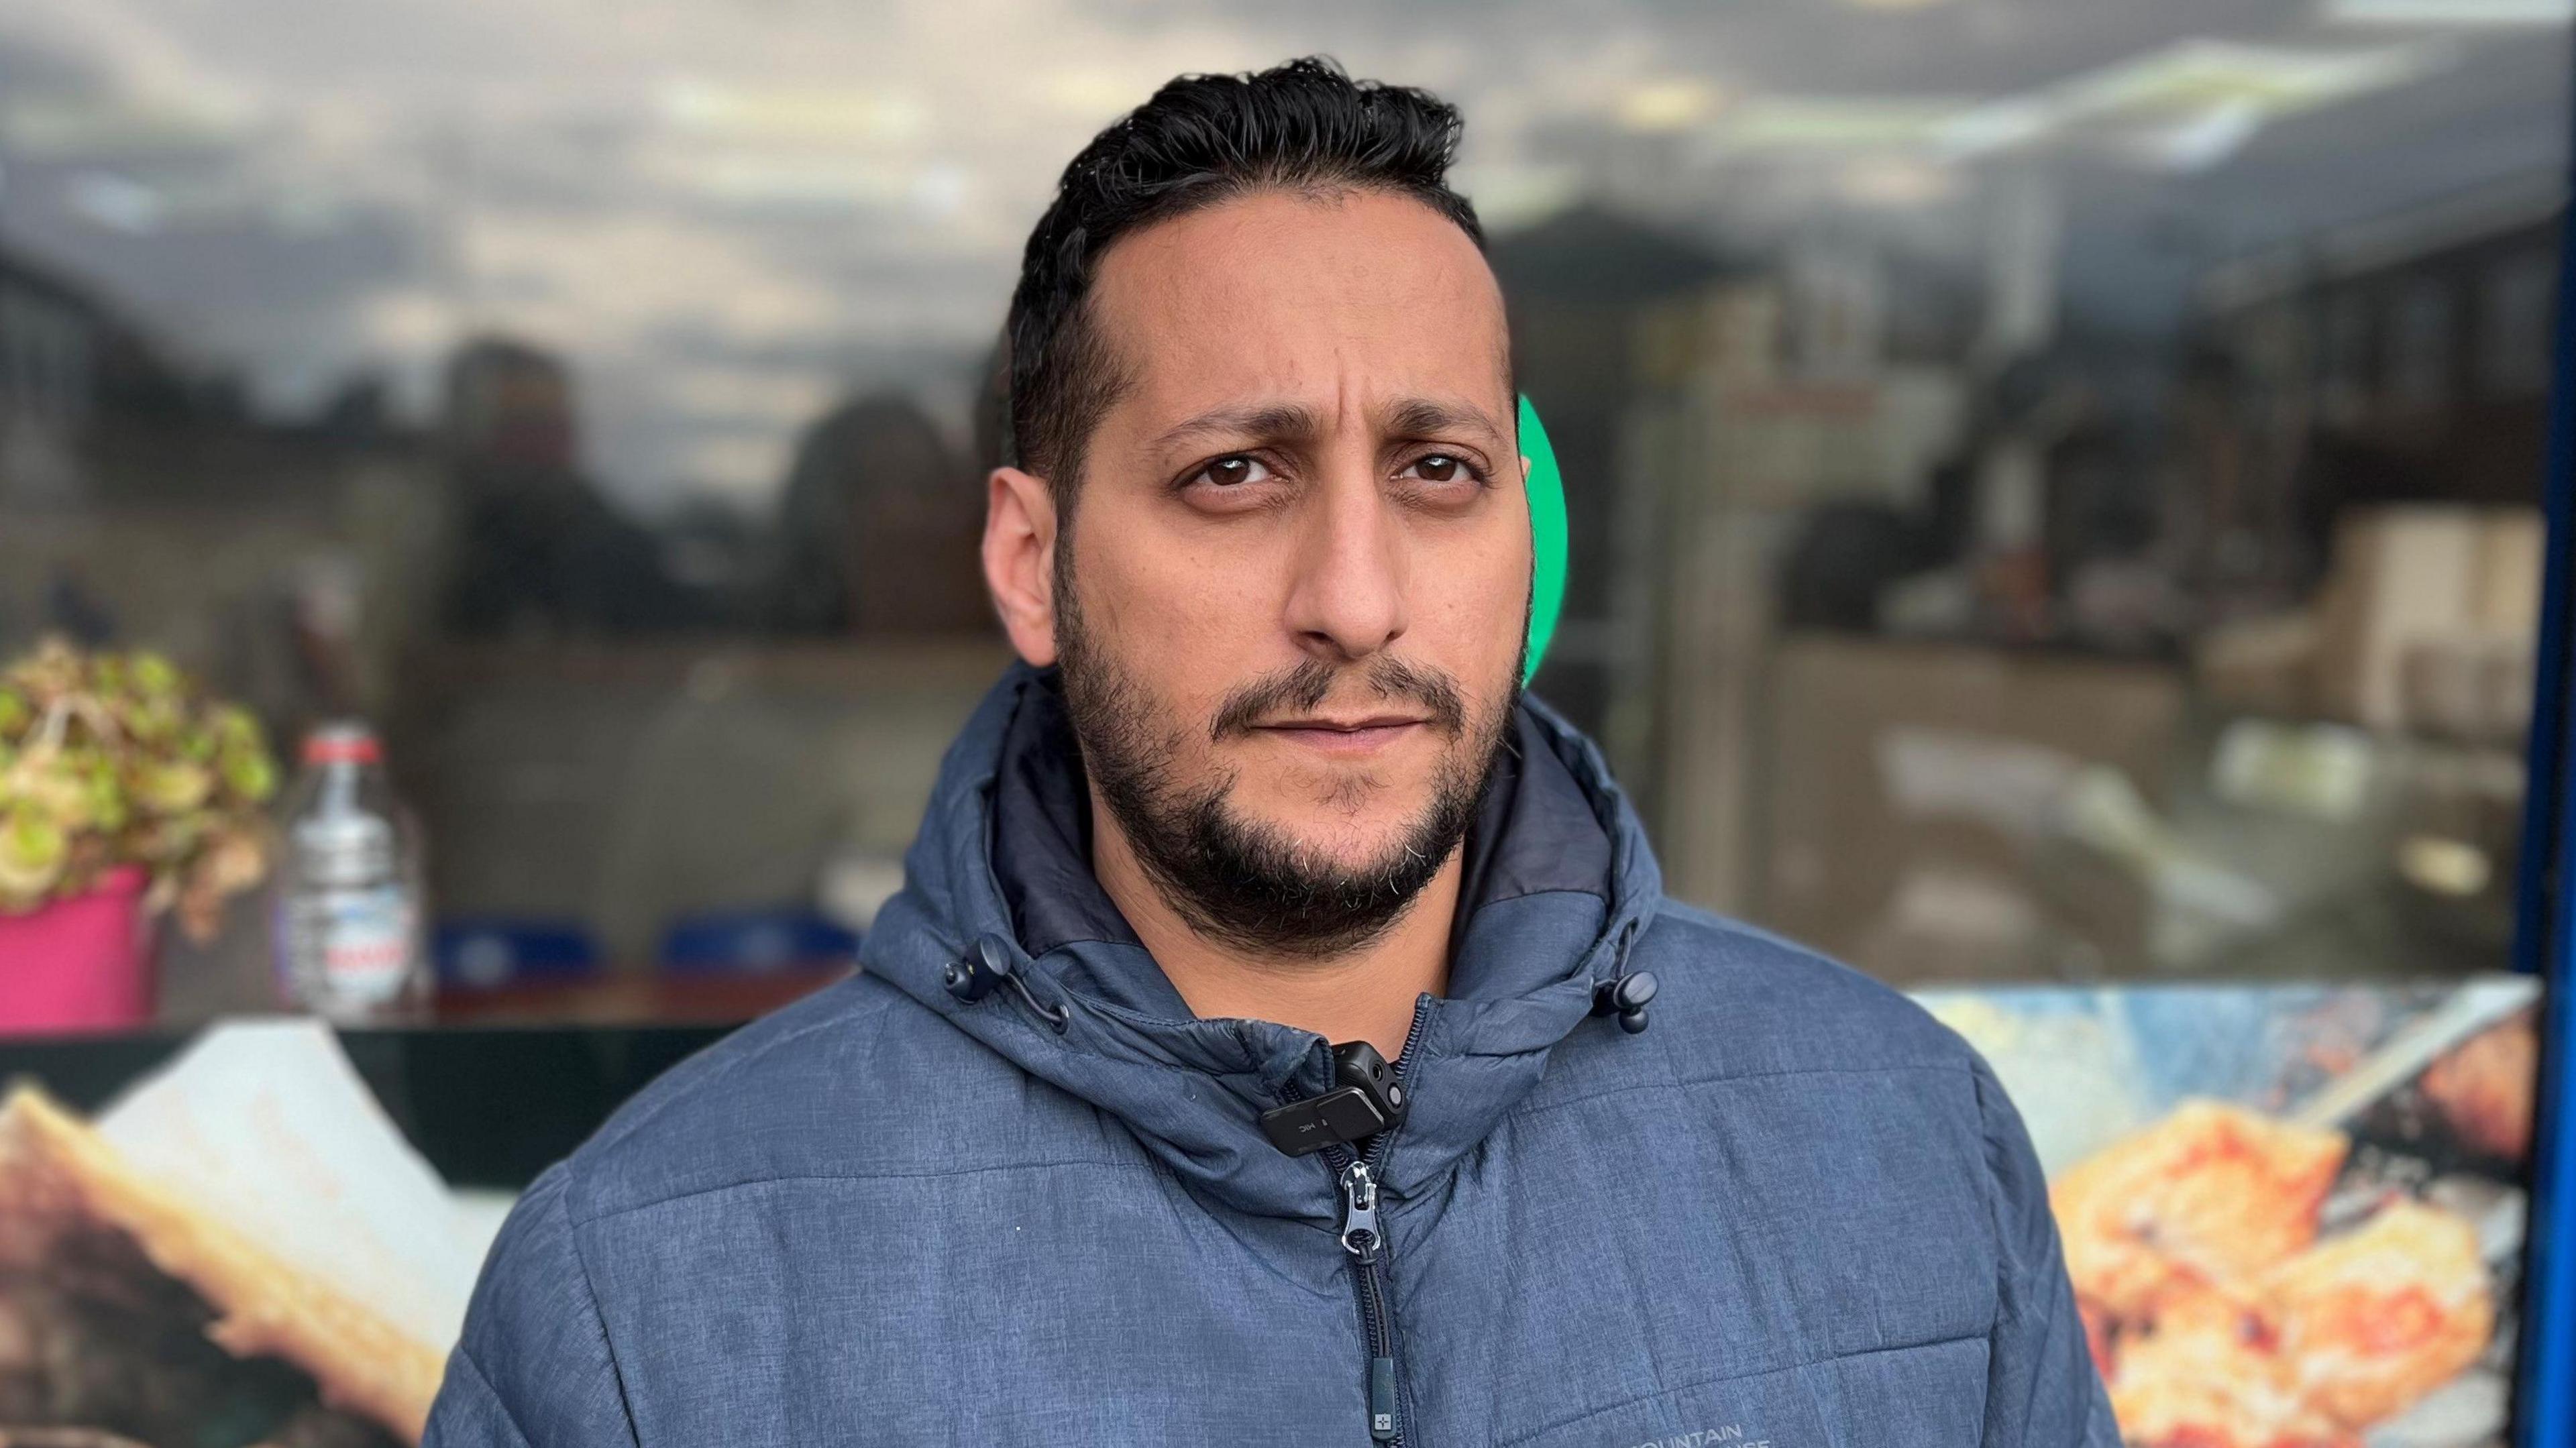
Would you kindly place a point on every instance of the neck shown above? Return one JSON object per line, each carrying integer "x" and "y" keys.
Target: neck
{"x": 1365, "y": 994}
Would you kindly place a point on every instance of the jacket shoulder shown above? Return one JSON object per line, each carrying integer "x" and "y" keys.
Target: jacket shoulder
{"x": 1750, "y": 1003}
{"x": 856, "y": 1080}
{"x": 1779, "y": 1007}
{"x": 533, "y": 1364}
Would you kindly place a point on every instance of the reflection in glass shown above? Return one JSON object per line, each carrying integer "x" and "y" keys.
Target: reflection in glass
{"x": 2052, "y": 488}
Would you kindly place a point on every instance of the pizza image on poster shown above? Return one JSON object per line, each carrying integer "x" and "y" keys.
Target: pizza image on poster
{"x": 2293, "y": 1216}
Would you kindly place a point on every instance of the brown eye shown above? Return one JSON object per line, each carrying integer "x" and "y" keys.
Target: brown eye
{"x": 1439, "y": 468}
{"x": 1227, "y": 472}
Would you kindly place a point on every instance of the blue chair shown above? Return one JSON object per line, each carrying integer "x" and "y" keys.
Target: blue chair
{"x": 755, "y": 942}
{"x": 484, "y": 953}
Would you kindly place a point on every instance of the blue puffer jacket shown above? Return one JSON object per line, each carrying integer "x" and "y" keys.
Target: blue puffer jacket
{"x": 1793, "y": 1212}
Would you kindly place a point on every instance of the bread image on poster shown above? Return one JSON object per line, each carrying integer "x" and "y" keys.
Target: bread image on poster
{"x": 243, "y": 1253}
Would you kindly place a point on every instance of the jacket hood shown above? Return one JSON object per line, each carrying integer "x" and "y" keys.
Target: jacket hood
{"x": 1560, "y": 881}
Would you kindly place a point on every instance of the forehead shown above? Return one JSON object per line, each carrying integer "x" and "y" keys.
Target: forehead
{"x": 1353, "y": 296}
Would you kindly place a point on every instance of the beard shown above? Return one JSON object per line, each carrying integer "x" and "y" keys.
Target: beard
{"x": 1247, "y": 883}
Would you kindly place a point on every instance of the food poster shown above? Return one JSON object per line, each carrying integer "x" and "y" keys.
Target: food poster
{"x": 2293, "y": 1215}
{"x": 242, "y": 1250}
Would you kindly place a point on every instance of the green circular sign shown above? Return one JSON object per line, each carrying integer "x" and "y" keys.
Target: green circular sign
{"x": 1547, "y": 537}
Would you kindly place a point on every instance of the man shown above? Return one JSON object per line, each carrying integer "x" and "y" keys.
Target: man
{"x": 1266, "y": 786}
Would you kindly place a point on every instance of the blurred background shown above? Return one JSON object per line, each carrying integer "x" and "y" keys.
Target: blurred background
{"x": 2055, "y": 507}
{"x": 2054, "y": 483}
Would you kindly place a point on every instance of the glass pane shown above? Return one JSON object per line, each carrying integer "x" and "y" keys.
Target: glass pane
{"x": 2053, "y": 490}
{"x": 2052, "y": 486}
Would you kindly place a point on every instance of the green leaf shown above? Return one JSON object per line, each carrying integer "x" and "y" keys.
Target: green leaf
{"x": 248, "y": 774}
{"x": 153, "y": 674}
{"x": 174, "y": 788}
{"x": 32, "y": 852}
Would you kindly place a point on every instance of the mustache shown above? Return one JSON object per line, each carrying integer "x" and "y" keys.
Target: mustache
{"x": 1310, "y": 683}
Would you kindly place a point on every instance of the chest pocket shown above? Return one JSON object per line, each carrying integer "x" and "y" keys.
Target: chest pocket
{"x": 1802, "y": 1261}
{"x": 1930, "y": 1394}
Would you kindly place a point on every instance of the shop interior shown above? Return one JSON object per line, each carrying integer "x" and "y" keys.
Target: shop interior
{"x": 2055, "y": 490}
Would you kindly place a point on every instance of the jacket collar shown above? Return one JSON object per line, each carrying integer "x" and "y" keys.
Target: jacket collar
{"x": 1559, "y": 880}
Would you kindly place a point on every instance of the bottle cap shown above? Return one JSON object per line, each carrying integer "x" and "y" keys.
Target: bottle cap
{"x": 342, "y": 741}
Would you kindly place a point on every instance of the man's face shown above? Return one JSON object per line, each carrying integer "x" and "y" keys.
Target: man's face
{"x": 1292, "y": 598}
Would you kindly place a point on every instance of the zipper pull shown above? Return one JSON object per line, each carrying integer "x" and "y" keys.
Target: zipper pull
{"x": 1382, "y": 1399}
{"x": 1359, "y": 1212}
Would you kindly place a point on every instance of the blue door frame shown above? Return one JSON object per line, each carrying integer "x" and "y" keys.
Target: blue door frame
{"x": 2545, "y": 943}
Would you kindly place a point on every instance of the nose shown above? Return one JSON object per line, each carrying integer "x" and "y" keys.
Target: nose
{"x": 1348, "y": 599}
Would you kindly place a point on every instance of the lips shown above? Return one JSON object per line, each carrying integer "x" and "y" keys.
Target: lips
{"x": 1345, "y": 736}
{"x": 1349, "y": 726}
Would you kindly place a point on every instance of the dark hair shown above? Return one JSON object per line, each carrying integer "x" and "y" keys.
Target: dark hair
{"x": 1201, "y": 139}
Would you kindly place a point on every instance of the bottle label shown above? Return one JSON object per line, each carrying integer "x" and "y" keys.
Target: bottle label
{"x": 364, "y": 943}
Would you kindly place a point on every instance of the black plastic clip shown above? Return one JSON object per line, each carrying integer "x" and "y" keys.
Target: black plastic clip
{"x": 1365, "y": 1100}
{"x": 1626, "y": 998}
{"x": 985, "y": 969}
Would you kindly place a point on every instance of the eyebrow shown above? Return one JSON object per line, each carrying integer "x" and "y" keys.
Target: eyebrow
{"x": 1283, "y": 420}
{"x": 1424, "y": 416}
{"x": 1289, "y": 421}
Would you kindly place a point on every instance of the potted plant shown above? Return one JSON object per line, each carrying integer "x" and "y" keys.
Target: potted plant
{"x": 124, "y": 792}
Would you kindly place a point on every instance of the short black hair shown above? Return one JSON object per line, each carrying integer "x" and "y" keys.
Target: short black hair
{"x": 1201, "y": 139}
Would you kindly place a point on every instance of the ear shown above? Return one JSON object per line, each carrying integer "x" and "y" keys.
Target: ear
{"x": 1019, "y": 560}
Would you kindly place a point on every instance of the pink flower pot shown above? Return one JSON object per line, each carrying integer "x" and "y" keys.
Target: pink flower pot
{"x": 82, "y": 964}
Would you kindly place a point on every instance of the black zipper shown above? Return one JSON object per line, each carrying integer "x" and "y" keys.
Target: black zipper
{"x": 1355, "y": 1176}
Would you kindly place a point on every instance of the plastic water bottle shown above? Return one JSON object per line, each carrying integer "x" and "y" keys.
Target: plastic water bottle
{"x": 348, "y": 902}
